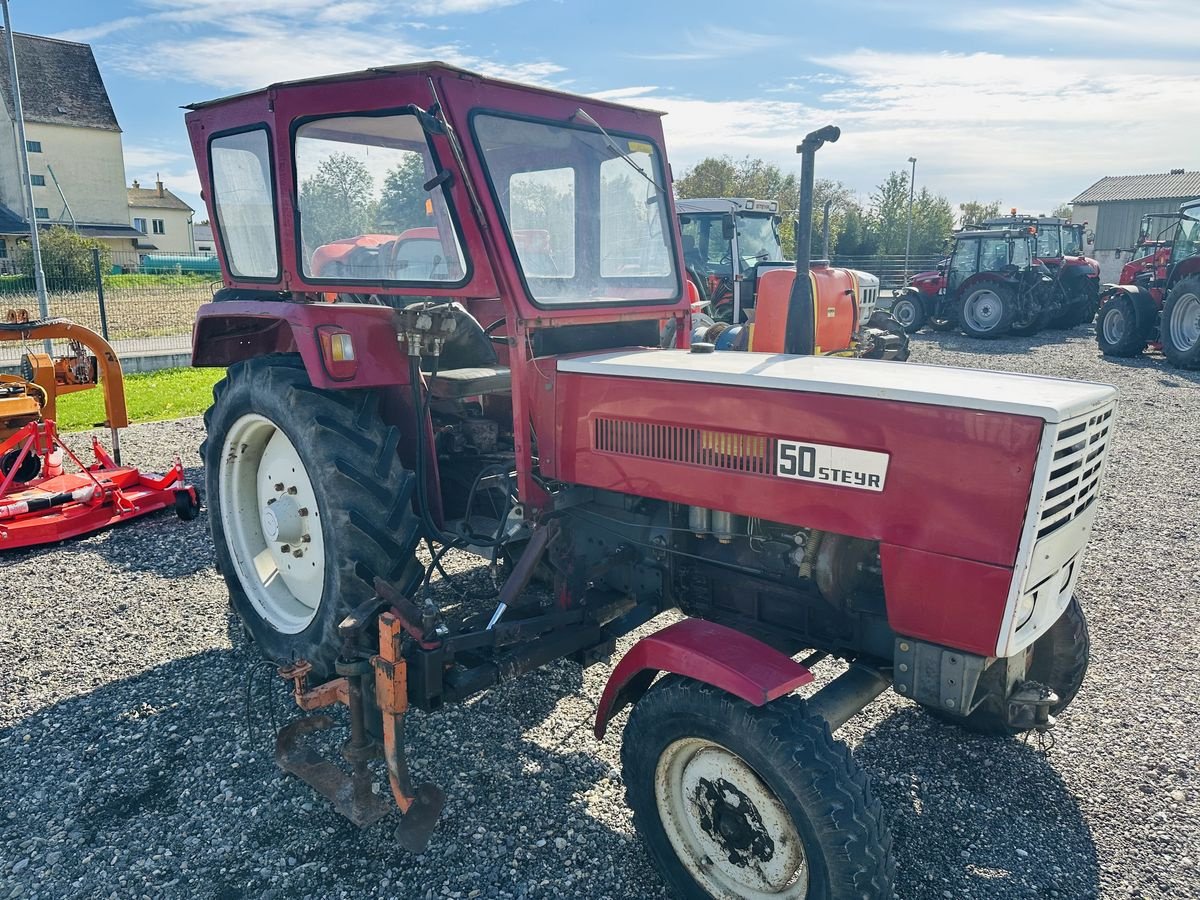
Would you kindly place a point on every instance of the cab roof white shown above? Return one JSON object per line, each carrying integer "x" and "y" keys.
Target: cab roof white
{"x": 1050, "y": 399}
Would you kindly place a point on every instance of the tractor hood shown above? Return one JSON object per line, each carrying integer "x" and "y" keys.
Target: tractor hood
{"x": 1050, "y": 399}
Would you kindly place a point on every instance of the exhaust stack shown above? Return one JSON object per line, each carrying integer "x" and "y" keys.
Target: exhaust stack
{"x": 800, "y": 337}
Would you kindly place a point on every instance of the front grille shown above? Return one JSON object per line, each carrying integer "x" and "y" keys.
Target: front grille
{"x": 726, "y": 450}
{"x": 1076, "y": 464}
{"x": 868, "y": 300}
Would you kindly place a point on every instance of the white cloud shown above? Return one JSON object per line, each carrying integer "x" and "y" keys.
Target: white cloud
{"x": 714, "y": 42}
{"x": 1122, "y": 25}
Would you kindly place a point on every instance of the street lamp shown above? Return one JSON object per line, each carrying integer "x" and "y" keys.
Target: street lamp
{"x": 912, "y": 185}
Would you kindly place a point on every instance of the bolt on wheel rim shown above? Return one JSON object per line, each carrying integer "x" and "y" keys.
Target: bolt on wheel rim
{"x": 983, "y": 310}
{"x": 728, "y": 828}
{"x": 1114, "y": 325}
{"x": 271, "y": 522}
{"x": 1185, "y": 322}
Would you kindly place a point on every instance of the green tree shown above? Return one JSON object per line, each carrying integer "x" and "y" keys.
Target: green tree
{"x": 403, "y": 195}
{"x": 889, "y": 209}
{"x": 976, "y": 212}
{"x": 1063, "y": 210}
{"x": 336, "y": 201}
{"x": 933, "y": 220}
{"x": 66, "y": 258}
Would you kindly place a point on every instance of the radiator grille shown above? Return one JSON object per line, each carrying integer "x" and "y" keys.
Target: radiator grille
{"x": 868, "y": 300}
{"x": 727, "y": 450}
{"x": 1077, "y": 462}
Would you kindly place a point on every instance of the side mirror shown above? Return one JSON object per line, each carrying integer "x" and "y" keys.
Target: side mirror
{"x": 727, "y": 229}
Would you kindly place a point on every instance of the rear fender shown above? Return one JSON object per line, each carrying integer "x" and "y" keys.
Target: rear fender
{"x": 232, "y": 331}
{"x": 707, "y": 652}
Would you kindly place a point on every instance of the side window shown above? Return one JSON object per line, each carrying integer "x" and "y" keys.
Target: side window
{"x": 364, "y": 212}
{"x": 542, "y": 218}
{"x": 632, "y": 243}
{"x": 962, "y": 264}
{"x": 244, "y": 203}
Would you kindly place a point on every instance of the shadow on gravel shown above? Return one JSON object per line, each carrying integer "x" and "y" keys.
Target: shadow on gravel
{"x": 977, "y": 816}
{"x": 1170, "y": 376}
{"x": 960, "y": 343}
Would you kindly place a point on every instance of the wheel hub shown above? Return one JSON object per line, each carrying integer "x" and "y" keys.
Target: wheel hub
{"x": 1185, "y": 322}
{"x": 730, "y": 819}
{"x": 283, "y": 520}
{"x": 1114, "y": 325}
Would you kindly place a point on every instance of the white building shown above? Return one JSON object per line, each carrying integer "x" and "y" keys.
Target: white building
{"x": 164, "y": 219}
{"x": 76, "y": 164}
{"x": 202, "y": 238}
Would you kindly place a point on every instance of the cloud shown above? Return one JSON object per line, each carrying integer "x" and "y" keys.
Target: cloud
{"x": 714, "y": 42}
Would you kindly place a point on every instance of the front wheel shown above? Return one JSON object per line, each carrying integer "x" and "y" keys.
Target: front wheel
{"x": 908, "y": 309}
{"x": 1117, "y": 332}
{"x": 987, "y": 311}
{"x": 735, "y": 800}
{"x": 1180, "y": 330}
{"x": 308, "y": 503}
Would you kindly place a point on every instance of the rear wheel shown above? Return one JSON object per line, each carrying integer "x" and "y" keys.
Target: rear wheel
{"x": 908, "y": 309}
{"x": 1181, "y": 324}
{"x": 308, "y": 503}
{"x": 1118, "y": 332}
{"x": 1058, "y": 659}
{"x": 987, "y": 311}
{"x": 735, "y": 800}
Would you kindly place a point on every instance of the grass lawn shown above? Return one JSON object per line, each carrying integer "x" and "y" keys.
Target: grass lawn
{"x": 169, "y": 394}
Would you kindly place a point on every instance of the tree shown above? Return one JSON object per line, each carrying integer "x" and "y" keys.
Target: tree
{"x": 975, "y": 212}
{"x": 66, "y": 258}
{"x": 889, "y": 208}
{"x": 1063, "y": 210}
{"x": 336, "y": 201}
{"x": 403, "y": 195}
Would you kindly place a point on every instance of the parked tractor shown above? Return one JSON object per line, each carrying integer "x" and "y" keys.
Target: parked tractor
{"x": 1060, "y": 248}
{"x": 1157, "y": 302}
{"x": 991, "y": 285}
{"x": 734, "y": 259}
{"x": 792, "y": 511}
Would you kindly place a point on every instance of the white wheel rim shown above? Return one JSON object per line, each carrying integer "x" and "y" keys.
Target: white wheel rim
{"x": 904, "y": 312}
{"x": 728, "y": 828}
{"x": 1113, "y": 325}
{"x": 983, "y": 310}
{"x": 271, "y": 522}
{"x": 1185, "y": 322}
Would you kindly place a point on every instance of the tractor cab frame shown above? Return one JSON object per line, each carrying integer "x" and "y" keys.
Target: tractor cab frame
{"x": 504, "y": 395}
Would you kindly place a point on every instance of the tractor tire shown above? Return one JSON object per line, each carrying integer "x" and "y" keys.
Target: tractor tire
{"x": 1059, "y": 660}
{"x": 734, "y": 800}
{"x": 1180, "y": 329}
{"x": 1031, "y": 325}
{"x": 910, "y": 311}
{"x": 1118, "y": 333}
{"x": 307, "y": 484}
{"x": 986, "y": 312}
{"x": 942, "y": 325}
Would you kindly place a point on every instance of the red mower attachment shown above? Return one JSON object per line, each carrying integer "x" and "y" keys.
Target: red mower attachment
{"x": 55, "y": 505}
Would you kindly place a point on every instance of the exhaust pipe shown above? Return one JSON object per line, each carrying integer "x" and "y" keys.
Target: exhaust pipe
{"x": 847, "y": 695}
{"x": 800, "y": 334}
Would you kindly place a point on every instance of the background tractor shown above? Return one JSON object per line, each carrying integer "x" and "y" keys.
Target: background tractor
{"x": 514, "y": 404}
{"x": 731, "y": 251}
{"x": 992, "y": 285}
{"x": 1157, "y": 301}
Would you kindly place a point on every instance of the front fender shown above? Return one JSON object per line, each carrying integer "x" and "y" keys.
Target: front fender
{"x": 1143, "y": 303}
{"x": 231, "y": 331}
{"x": 705, "y": 651}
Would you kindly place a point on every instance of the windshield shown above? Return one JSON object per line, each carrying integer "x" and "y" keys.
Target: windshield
{"x": 1049, "y": 241}
{"x": 758, "y": 240}
{"x": 1072, "y": 238}
{"x": 1187, "y": 238}
{"x": 585, "y": 225}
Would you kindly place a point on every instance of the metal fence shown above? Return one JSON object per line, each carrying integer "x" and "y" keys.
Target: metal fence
{"x": 889, "y": 269}
{"x": 143, "y": 304}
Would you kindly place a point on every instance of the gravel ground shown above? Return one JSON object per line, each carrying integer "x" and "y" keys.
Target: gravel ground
{"x": 134, "y": 764}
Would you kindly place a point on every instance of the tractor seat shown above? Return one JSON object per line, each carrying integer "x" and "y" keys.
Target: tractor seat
{"x": 455, "y": 384}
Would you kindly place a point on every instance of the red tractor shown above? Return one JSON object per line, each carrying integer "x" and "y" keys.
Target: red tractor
{"x": 1157, "y": 301}
{"x": 792, "y": 511}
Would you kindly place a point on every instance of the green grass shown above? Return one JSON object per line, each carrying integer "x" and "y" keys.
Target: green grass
{"x": 150, "y": 397}
{"x": 137, "y": 280}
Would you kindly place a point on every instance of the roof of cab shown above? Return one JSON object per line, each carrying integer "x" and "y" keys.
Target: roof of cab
{"x": 430, "y": 67}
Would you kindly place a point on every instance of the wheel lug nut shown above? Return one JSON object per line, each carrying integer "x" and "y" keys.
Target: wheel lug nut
{"x": 286, "y": 548}
{"x": 304, "y": 510}
{"x": 297, "y": 553}
{"x": 292, "y": 489}
{"x": 279, "y": 486}
{"x": 306, "y": 538}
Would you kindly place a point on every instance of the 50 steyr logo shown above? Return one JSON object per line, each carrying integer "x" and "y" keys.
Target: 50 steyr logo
{"x": 865, "y": 470}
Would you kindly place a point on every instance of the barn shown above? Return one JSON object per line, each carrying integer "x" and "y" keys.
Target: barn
{"x": 1113, "y": 208}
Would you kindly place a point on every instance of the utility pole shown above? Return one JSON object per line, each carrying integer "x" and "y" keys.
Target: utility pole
{"x": 39, "y": 274}
{"x": 912, "y": 186}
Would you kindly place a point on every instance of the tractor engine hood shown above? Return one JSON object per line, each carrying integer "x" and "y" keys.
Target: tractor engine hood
{"x": 964, "y": 477}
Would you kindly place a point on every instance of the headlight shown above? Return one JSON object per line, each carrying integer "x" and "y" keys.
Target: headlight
{"x": 1025, "y": 607}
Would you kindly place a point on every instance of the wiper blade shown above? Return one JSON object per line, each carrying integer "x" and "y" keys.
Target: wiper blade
{"x": 582, "y": 114}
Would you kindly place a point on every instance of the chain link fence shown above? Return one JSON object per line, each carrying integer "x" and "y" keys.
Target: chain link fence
{"x": 143, "y": 304}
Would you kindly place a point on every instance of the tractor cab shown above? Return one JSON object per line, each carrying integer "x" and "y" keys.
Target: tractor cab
{"x": 727, "y": 243}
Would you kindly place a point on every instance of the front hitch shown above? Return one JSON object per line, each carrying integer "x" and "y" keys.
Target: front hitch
{"x": 1028, "y": 706}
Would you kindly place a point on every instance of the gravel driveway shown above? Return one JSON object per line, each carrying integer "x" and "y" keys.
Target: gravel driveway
{"x": 135, "y": 748}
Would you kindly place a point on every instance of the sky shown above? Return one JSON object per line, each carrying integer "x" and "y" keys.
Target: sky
{"x": 1023, "y": 102}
